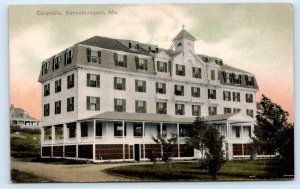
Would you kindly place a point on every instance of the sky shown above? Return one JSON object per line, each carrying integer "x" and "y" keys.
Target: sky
{"x": 257, "y": 38}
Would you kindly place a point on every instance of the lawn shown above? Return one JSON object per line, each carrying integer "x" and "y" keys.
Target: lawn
{"x": 24, "y": 177}
{"x": 191, "y": 171}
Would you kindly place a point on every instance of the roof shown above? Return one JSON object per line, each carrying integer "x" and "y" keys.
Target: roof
{"x": 184, "y": 34}
{"x": 19, "y": 114}
{"x": 237, "y": 117}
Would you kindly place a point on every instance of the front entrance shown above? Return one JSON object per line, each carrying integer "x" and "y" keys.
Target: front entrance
{"x": 137, "y": 155}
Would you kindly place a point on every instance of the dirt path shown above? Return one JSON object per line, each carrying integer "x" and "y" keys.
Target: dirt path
{"x": 72, "y": 173}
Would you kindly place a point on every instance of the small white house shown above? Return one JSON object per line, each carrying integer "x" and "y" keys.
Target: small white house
{"x": 19, "y": 117}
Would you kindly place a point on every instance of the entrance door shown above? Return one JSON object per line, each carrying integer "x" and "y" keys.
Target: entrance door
{"x": 137, "y": 152}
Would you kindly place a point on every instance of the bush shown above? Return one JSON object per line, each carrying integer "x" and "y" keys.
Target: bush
{"x": 152, "y": 156}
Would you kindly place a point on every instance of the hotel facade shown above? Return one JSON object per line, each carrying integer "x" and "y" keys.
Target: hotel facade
{"x": 103, "y": 99}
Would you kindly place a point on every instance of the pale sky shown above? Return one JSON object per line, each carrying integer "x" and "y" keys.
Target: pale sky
{"x": 255, "y": 37}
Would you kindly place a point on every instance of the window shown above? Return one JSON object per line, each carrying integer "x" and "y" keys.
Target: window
{"x": 141, "y": 63}
{"x": 133, "y": 46}
{"x": 47, "y": 133}
{"x": 93, "y": 103}
{"x": 227, "y": 95}
{"x": 179, "y": 90}
{"x": 249, "y": 80}
{"x": 236, "y": 110}
{"x": 161, "y": 88}
{"x": 98, "y": 129}
{"x": 162, "y": 66}
{"x": 227, "y": 77}
{"x": 120, "y": 60}
{"x": 236, "y": 96}
{"x": 140, "y": 86}
{"x": 227, "y": 110}
{"x": 137, "y": 129}
{"x": 118, "y": 129}
{"x": 57, "y": 107}
{"x": 46, "y": 109}
{"x": 212, "y": 94}
{"x": 119, "y": 83}
{"x": 212, "y": 110}
{"x": 179, "y": 109}
{"x": 237, "y": 132}
{"x": 212, "y": 75}
{"x": 196, "y": 72}
{"x": 45, "y": 68}
{"x": 93, "y": 80}
{"x": 249, "y": 112}
{"x": 93, "y": 56}
{"x": 179, "y": 44}
{"x": 84, "y": 129}
{"x": 58, "y": 86}
{"x": 70, "y": 82}
{"x": 196, "y": 110}
{"x": 249, "y": 131}
{"x": 120, "y": 105}
{"x": 161, "y": 108}
{"x": 182, "y": 131}
{"x": 163, "y": 133}
{"x": 68, "y": 57}
{"x": 237, "y": 79}
{"x": 56, "y": 63}
{"x": 72, "y": 129}
{"x": 180, "y": 70}
{"x": 249, "y": 98}
{"x": 47, "y": 89}
{"x": 70, "y": 104}
{"x": 195, "y": 92}
{"x": 140, "y": 106}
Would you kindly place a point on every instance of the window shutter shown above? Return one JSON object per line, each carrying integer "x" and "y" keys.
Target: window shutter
{"x": 169, "y": 65}
{"x": 156, "y": 87}
{"x": 116, "y": 58}
{"x": 99, "y": 57}
{"x": 130, "y": 45}
{"x": 88, "y": 54}
{"x": 53, "y": 64}
{"x": 98, "y": 81}
{"x": 137, "y": 62}
{"x": 125, "y": 61}
{"x": 136, "y": 85}
{"x": 98, "y": 104}
{"x": 157, "y": 63}
{"x": 115, "y": 83}
{"x": 166, "y": 67}
{"x": 124, "y": 105}
{"x": 88, "y": 78}
{"x": 157, "y": 107}
{"x": 124, "y": 83}
{"x": 68, "y": 104}
{"x": 144, "y": 86}
{"x": 183, "y": 70}
{"x": 87, "y": 103}
{"x": 65, "y": 58}
{"x": 145, "y": 107}
{"x": 146, "y": 64}
{"x": 136, "y": 106}
{"x": 182, "y": 90}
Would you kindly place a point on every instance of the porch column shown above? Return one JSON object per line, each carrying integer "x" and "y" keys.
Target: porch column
{"x": 42, "y": 139}
{"x": 144, "y": 150}
{"x": 227, "y": 130}
{"x": 123, "y": 134}
{"x": 52, "y": 138}
{"x": 252, "y": 129}
{"x": 78, "y": 135}
{"x": 94, "y": 140}
{"x": 161, "y": 149}
{"x": 178, "y": 145}
{"x": 64, "y": 138}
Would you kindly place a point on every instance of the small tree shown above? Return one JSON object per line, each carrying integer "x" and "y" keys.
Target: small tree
{"x": 206, "y": 138}
{"x": 152, "y": 156}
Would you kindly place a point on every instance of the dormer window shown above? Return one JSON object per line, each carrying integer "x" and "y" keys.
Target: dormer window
{"x": 45, "y": 68}
{"x": 120, "y": 60}
{"x": 205, "y": 59}
{"x": 93, "y": 56}
{"x": 249, "y": 80}
{"x": 141, "y": 63}
{"x": 56, "y": 63}
{"x": 133, "y": 46}
{"x": 227, "y": 77}
{"x": 237, "y": 79}
{"x": 68, "y": 57}
{"x": 219, "y": 62}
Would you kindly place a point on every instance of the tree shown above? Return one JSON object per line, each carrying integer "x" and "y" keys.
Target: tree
{"x": 273, "y": 133}
{"x": 206, "y": 138}
{"x": 168, "y": 145}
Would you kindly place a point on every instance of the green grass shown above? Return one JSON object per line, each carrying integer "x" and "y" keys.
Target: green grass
{"x": 191, "y": 171}
{"x": 24, "y": 177}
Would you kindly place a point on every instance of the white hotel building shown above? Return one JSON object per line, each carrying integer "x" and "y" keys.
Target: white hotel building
{"x": 103, "y": 99}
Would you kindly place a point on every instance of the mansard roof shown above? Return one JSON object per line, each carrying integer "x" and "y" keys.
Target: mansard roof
{"x": 183, "y": 34}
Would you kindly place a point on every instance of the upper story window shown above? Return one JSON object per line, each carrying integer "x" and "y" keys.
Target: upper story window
{"x": 120, "y": 105}
{"x": 45, "y": 68}
{"x": 249, "y": 80}
{"x": 120, "y": 60}
{"x": 249, "y": 98}
{"x": 93, "y": 80}
{"x": 93, "y": 56}
{"x": 196, "y": 110}
{"x": 179, "y": 109}
{"x": 195, "y": 92}
{"x": 212, "y": 94}
{"x": 70, "y": 104}
{"x": 237, "y": 79}
{"x": 212, "y": 110}
{"x": 236, "y": 96}
{"x": 140, "y": 86}
{"x": 196, "y": 72}
{"x": 68, "y": 57}
{"x": 212, "y": 75}
{"x": 56, "y": 63}
{"x": 179, "y": 90}
{"x": 118, "y": 129}
{"x": 93, "y": 103}
{"x": 249, "y": 112}
{"x": 236, "y": 110}
{"x": 162, "y": 66}
{"x": 58, "y": 107}
{"x": 227, "y": 110}
{"x": 161, "y": 107}
{"x": 57, "y": 86}
{"x": 141, "y": 63}
{"x": 47, "y": 89}
{"x": 70, "y": 81}
{"x": 137, "y": 129}
{"x": 46, "y": 109}
{"x": 237, "y": 132}
{"x": 227, "y": 77}
{"x": 180, "y": 70}
{"x": 227, "y": 95}
{"x": 133, "y": 46}
{"x": 98, "y": 129}
{"x": 160, "y": 88}
{"x": 140, "y": 106}
{"x": 119, "y": 83}
{"x": 84, "y": 127}
{"x": 72, "y": 129}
